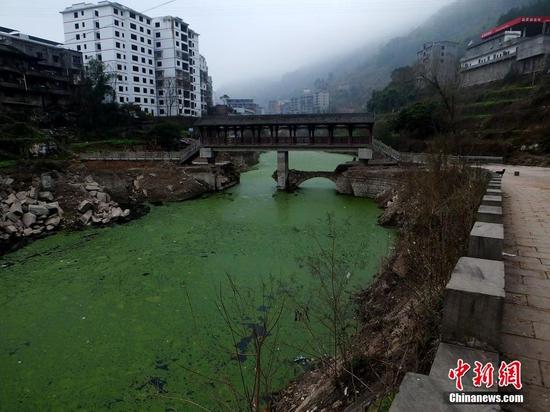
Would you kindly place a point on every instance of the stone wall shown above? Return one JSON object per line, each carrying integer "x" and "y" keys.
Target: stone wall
{"x": 369, "y": 182}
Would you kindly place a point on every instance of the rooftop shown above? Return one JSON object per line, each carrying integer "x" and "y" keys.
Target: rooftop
{"x": 288, "y": 119}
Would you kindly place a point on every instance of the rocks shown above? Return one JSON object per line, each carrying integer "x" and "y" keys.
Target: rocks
{"x": 85, "y": 218}
{"x": 85, "y": 206}
{"x": 16, "y": 208}
{"x": 34, "y": 212}
{"x": 46, "y": 182}
{"x": 29, "y": 219}
{"x": 47, "y": 196}
{"x": 39, "y": 210}
{"x": 99, "y": 208}
{"x": 23, "y": 215}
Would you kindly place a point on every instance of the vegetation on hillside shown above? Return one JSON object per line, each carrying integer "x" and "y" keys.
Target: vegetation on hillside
{"x": 539, "y": 8}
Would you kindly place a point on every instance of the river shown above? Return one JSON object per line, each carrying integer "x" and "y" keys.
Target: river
{"x": 126, "y": 318}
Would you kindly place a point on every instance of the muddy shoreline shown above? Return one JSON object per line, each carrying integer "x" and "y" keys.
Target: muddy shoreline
{"x": 37, "y": 200}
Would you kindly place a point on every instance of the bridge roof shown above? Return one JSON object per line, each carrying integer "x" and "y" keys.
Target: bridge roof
{"x": 287, "y": 119}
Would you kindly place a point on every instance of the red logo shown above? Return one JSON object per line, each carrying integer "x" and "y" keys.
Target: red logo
{"x": 509, "y": 374}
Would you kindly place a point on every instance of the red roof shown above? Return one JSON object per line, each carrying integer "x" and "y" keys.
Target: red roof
{"x": 515, "y": 22}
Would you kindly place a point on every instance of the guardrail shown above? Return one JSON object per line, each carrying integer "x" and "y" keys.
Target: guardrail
{"x": 178, "y": 156}
{"x": 385, "y": 149}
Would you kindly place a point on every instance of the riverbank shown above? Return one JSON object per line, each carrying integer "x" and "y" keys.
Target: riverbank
{"x": 126, "y": 317}
{"x": 39, "y": 199}
{"x": 400, "y": 311}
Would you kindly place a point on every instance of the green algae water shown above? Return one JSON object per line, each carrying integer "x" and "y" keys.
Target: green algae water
{"x": 125, "y": 318}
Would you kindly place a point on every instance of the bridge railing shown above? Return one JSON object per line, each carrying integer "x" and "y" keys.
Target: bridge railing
{"x": 385, "y": 149}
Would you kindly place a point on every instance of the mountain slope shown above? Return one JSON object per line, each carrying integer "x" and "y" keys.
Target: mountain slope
{"x": 352, "y": 78}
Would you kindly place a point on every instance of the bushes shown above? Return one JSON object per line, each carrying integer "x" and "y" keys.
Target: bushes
{"x": 167, "y": 135}
{"x": 419, "y": 121}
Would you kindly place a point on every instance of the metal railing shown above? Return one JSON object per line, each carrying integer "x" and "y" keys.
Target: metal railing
{"x": 174, "y": 156}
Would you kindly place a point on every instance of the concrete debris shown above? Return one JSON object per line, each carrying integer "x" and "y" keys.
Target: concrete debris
{"x": 32, "y": 212}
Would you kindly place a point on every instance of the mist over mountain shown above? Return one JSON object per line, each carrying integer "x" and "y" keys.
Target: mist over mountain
{"x": 351, "y": 78}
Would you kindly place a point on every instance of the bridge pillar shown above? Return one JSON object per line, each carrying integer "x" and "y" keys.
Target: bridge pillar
{"x": 282, "y": 170}
{"x": 364, "y": 155}
{"x": 208, "y": 154}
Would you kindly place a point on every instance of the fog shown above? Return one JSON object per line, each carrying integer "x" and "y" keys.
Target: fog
{"x": 244, "y": 39}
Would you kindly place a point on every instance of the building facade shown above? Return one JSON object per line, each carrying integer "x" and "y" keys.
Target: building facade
{"x": 519, "y": 46}
{"x": 35, "y": 73}
{"x": 207, "y": 91}
{"x": 438, "y": 61}
{"x": 154, "y": 60}
{"x": 309, "y": 102}
{"x": 241, "y": 106}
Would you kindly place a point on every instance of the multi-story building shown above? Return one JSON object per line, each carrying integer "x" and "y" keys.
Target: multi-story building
{"x": 207, "y": 92}
{"x": 35, "y": 73}
{"x": 152, "y": 59}
{"x": 241, "y": 106}
{"x": 308, "y": 103}
{"x": 520, "y": 46}
{"x": 438, "y": 61}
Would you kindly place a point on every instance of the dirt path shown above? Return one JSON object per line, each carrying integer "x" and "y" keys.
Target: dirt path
{"x": 526, "y": 321}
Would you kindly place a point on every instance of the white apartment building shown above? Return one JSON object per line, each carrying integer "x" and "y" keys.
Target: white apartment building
{"x": 152, "y": 58}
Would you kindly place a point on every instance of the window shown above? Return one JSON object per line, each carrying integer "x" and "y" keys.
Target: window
{"x": 148, "y": 31}
{"x": 75, "y": 15}
{"x": 78, "y": 36}
{"x": 98, "y": 46}
{"x": 161, "y": 102}
{"x": 157, "y": 34}
{"x": 137, "y": 99}
{"x": 115, "y": 10}
{"x": 134, "y": 58}
{"x": 159, "y": 63}
{"x": 119, "y": 77}
{"x": 161, "y": 92}
{"x": 157, "y": 44}
{"x": 144, "y": 80}
{"x": 144, "y": 71}
{"x": 132, "y": 15}
{"x": 83, "y": 24}
{"x": 157, "y": 24}
{"x": 143, "y": 60}
{"x": 148, "y": 21}
{"x": 117, "y": 23}
{"x": 120, "y": 88}
{"x": 133, "y": 36}
{"x": 135, "y": 68}
{"x": 117, "y": 45}
{"x": 78, "y": 47}
{"x": 99, "y": 57}
{"x": 141, "y": 29}
{"x": 132, "y": 26}
{"x": 145, "y": 100}
{"x": 121, "y": 99}
{"x": 152, "y": 101}
{"x": 143, "y": 49}
{"x": 136, "y": 89}
{"x": 96, "y": 13}
{"x": 76, "y": 26}
{"x": 117, "y": 33}
{"x": 142, "y": 39}
{"x": 97, "y": 25}
{"x": 98, "y": 35}
{"x": 134, "y": 47}
{"x": 150, "y": 62}
{"x": 141, "y": 18}
{"x": 136, "y": 78}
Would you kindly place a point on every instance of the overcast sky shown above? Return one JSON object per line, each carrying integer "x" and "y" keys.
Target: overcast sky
{"x": 253, "y": 38}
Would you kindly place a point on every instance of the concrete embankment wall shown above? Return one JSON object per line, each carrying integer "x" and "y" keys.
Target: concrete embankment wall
{"x": 368, "y": 181}
{"x": 472, "y": 316}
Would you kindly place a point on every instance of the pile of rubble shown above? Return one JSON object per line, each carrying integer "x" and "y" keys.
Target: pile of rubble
{"x": 36, "y": 210}
{"x": 29, "y": 212}
{"x": 98, "y": 208}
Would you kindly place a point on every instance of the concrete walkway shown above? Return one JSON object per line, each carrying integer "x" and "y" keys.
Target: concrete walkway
{"x": 526, "y": 320}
